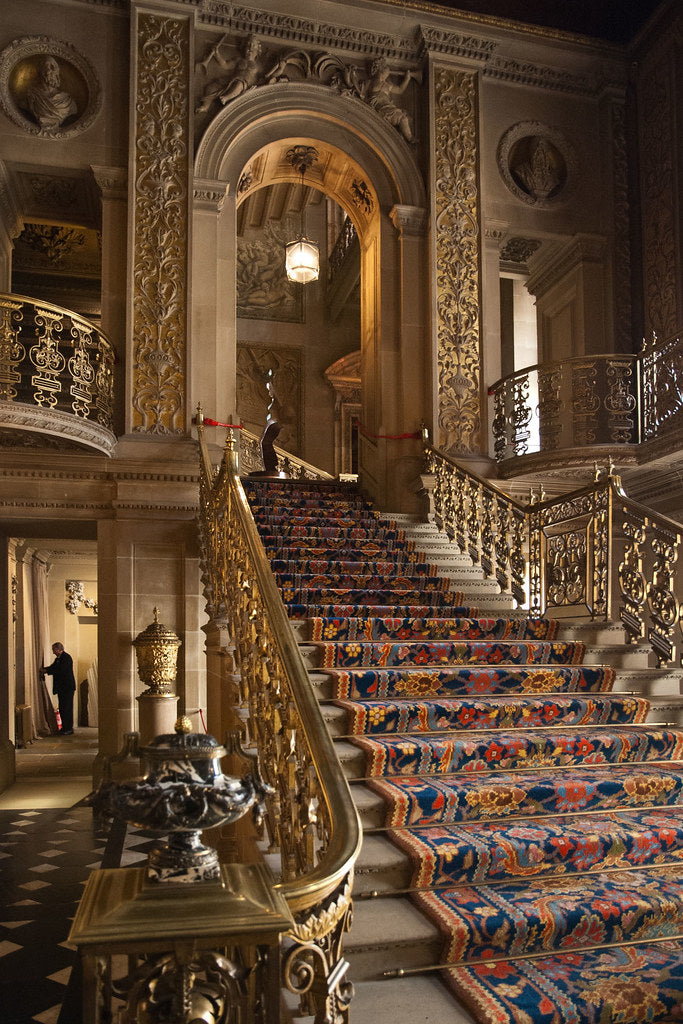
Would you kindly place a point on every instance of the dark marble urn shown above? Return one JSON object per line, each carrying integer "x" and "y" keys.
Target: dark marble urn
{"x": 183, "y": 793}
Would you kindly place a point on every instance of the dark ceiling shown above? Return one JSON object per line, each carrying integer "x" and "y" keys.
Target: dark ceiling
{"x": 617, "y": 21}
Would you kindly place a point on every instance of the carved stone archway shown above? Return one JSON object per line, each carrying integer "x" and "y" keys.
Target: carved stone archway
{"x": 396, "y": 356}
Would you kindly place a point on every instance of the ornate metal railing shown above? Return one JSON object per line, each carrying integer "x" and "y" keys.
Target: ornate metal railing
{"x": 311, "y": 820}
{"x": 589, "y": 401}
{"x": 593, "y": 553}
{"x": 56, "y": 373}
{"x": 291, "y": 466}
{"x": 346, "y": 238}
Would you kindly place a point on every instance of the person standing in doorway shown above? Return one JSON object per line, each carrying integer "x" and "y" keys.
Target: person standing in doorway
{"x": 63, "y": 685}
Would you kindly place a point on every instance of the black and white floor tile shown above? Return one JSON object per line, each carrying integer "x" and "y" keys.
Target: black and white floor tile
{"x": 46, "y": 856}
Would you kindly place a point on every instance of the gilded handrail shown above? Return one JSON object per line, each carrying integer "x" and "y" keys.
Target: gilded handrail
{"x": 577, "y": 554}
{"x": 313, "y": 820}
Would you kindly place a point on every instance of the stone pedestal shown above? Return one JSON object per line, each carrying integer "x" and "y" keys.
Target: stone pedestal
{"x": 157, "y": 715}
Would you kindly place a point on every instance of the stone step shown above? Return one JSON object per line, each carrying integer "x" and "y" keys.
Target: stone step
{"x": 381, "y": 867}
{"x": 370, "y": 806}
{"x": 389, "y": 932}
{"x": 419, "y": 998}
{"x": 617, "y": 655}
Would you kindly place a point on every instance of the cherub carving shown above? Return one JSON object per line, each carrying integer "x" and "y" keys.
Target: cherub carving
{"x": 246, "y": 70}
{"x": 378, "y": 92}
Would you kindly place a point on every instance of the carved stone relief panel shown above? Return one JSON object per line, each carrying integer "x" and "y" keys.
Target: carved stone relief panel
{"x": 253, "y": 364}
{"x": 263, "y": 290}
{"x": 160, "y": 259}
{"x": 230, "y": 67}
{"x": 47, "y": 87}
{"x": 536, "y": 163}
{"x": 457, "y": 241}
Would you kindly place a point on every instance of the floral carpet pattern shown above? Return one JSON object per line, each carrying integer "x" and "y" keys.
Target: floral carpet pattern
{"x": 540, "y": 814}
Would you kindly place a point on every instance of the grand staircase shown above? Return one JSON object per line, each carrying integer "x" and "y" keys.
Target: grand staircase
{"x": 523, "y": 829}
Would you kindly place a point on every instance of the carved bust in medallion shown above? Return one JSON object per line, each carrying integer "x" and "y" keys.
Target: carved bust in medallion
{"x": 47, "y": 87}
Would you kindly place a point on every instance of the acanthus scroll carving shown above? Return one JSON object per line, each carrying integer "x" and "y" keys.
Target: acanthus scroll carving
{"x": 457, "y": 259}
{"x": 161, "y": 204}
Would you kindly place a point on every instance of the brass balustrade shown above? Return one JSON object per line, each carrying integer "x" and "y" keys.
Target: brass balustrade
{"x": 56, "y": 373}
{"x": 593, "y": 553}
{"x": 311, "y": 820}
{"x": 588, "y": 401}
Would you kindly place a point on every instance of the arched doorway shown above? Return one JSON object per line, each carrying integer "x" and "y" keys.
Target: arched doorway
{"x": 371, "y": 172}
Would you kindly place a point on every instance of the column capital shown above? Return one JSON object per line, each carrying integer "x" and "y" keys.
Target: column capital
{"x": 111, "y": 181}
{"x": 409, "y": 220}
{"x": 209, "y": 194}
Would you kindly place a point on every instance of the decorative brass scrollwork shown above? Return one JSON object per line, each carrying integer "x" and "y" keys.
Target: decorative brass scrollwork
{"x": 560, "y": 553}
{"x": 310, "y": 820}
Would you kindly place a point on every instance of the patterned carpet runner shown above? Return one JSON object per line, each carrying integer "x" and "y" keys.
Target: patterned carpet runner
{"x": 541, "y": 816}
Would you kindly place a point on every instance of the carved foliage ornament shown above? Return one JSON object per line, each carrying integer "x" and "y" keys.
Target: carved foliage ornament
{"x": 75, "y": 597}
{"x": 161, "y": 206}
{"x": 457, "y": 259}
{"x": 48, "y": 88}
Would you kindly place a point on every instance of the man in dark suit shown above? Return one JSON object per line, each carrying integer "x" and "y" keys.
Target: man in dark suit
{"x": 63, "y": 685}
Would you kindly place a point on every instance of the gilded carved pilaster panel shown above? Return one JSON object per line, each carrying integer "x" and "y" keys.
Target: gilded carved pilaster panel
{"x": 457, "y": 243}
{"x": 656, "y": 97}
{"x": 622, "y": 238}
{"x": 161, "y": 200}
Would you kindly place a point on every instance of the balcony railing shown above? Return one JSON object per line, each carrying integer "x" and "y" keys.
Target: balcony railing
{"x": 590, "y": 401}
{"x": 56, "y": 374}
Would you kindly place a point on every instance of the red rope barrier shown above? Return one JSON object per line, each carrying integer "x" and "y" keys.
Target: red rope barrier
{"x": 201, "y": 715}
{"x": 217, "y": 423}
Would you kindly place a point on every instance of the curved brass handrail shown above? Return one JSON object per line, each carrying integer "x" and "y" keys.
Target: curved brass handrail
{"x": 315, "y": 822}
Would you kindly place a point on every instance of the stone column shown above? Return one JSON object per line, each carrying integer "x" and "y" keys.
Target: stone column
{"x": 10, "y": 227}
{"x": 159, "y": 180}
{"x": 212, "y": 383}
{"x": 414, "y": 384}
{"x": 8, "y": 614}
{"x": 111, "y": 182}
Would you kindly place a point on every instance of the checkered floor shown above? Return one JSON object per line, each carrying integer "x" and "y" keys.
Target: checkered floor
{"x": 46, "y": 856}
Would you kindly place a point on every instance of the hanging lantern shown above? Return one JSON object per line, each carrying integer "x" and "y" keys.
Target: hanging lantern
{"x": 302, "y": 260}
{"x": 302, "y": 256}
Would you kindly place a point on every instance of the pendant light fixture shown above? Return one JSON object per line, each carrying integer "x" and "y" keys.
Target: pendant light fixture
{"x": 302, "y": 256}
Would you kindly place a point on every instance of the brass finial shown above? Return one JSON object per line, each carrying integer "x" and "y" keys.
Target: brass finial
{"x": 183, "y": 725}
